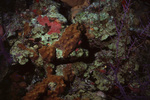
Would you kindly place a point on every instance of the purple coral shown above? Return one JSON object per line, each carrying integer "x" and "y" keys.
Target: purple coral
{"x": 136, "y": 45}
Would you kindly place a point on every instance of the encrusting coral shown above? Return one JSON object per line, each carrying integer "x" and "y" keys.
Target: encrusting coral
{"x": 27, "y": 29}
{"x": 102, "y": 51}
{"x": 70, "y": 38}
{"x": 78, "y": 8}
{"x": 48, "y": 53}
{"x": 55, "y": 26}
{"x": 68, "y": 73}
{"x": 51, "y": 87}
{"x": 23, "y": 47}
{"x": 67, "y": 43}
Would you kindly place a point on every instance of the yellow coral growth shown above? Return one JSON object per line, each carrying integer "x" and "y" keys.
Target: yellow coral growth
{"x": 69, "y": 39}
{"x": 48, "y": 53}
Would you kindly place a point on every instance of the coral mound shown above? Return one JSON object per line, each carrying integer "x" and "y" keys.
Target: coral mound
{"x": 23, "y": 47}
{"x": 52, "y": 86}
{"x": 48, "y": 53}
{"x": 27, "y": 29}
{"x": 68, "y": 42}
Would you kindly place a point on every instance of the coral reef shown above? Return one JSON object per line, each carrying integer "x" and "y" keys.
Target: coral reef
{"x": 68, "y": 73}
{"x": 77, "y": 6}
{"x": 53, "y": 12}
{"x": 100, "y": 53}
{"x": 48, "y": 53}
{"x": 53, "y": 86}
{"x": 34, "y": 55}
{"x": 69, "y": 39}
{"x": 94, "y": 22}
{"x": 27, "y": 29}
{"x": 55, "y": 26}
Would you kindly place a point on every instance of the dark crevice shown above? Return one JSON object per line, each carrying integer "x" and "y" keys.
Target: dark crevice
{"x": 65, "y": 11}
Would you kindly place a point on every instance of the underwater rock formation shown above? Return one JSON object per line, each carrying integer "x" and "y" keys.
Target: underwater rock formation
{"x": 69, "y": 39}
{"x": 101, "y": 53}
{"x": 53, "y": 86}
{"x": 48, "y": 53}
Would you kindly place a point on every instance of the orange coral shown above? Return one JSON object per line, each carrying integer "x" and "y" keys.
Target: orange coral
{"x": 21, "y": 46}
{"x": 49, "y": 71}
{"x": 67, "y": 43}
{"x": 27, "y": 29}
{"x": 34, "y": 94}
{"x": 60, "y": 86}
{"x": 52, "y": 86}
{"x": 68, "y": 73}
{"x": 48, "y": 53}
{"x": 69, "y": 39}
{"x": 35, "y": 55}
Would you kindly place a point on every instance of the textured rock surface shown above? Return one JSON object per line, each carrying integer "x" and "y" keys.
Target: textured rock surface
{"x": 69, "y": 39}
{"x": 48, "y": 53}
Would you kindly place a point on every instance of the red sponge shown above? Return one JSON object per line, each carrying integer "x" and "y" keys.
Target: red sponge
{"x": 55, "y": 26}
